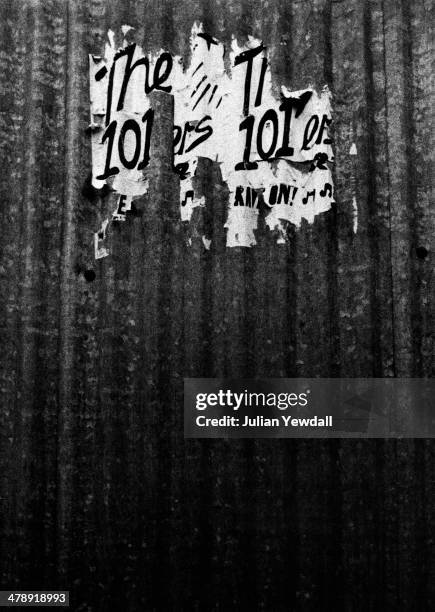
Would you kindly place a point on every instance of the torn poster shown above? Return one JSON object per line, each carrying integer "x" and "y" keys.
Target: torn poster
{"x": 100, "y": 249}
{"x": 271, "y": 151}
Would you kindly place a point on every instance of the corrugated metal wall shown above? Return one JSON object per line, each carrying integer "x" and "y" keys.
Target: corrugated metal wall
{"x": 99, "y": 493}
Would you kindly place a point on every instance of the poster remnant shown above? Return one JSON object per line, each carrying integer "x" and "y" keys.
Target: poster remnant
{"x": 273, "y": 151}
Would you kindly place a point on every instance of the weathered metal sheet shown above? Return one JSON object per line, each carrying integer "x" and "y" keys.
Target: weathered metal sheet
{"x": 99, "y": 493}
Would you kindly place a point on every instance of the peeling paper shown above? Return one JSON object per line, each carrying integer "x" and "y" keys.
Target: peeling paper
{"x": 98, "y": 97}
{"x": 128, "y": 181}
{"x": 122, "y": 207}
{"x": 290, "y": 152}
{"x": 206, "y": 90}
{"x": 100, "y": 250}
{"x": 189, "y": 202}
{"x": 206, "y": 242}
{"x": 355, "y": 215}
{"x": 241, "y": 224}
{"x": 312, "y": 196}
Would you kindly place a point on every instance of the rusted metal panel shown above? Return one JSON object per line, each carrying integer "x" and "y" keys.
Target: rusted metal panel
{"x": 99, "y": 493}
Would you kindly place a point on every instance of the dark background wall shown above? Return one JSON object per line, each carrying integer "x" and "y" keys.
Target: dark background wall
{"x": 99, "y": 492}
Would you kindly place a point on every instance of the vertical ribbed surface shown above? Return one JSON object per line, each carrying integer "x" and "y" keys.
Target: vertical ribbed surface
{"x": 99, "y": 493}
